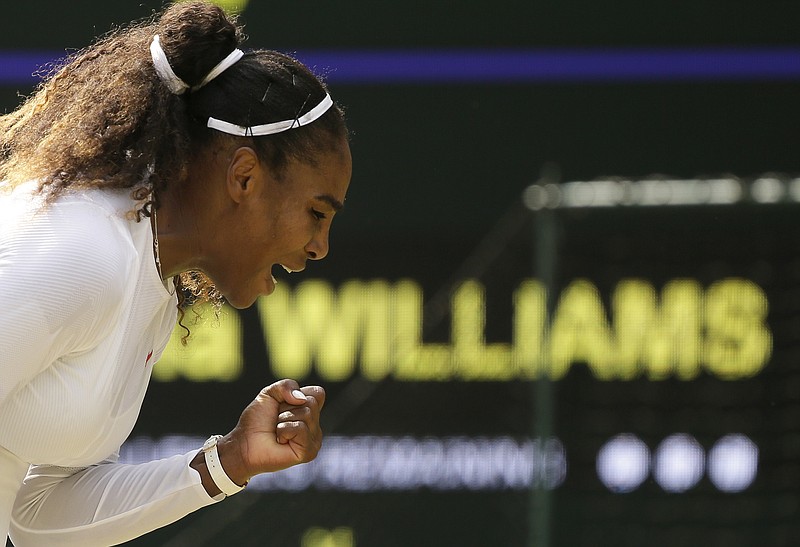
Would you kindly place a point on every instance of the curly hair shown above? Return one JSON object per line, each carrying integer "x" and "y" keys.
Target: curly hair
{"x": 105, "y": 120}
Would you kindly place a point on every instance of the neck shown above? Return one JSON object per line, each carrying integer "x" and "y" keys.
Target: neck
{"x": 156, "y": 250}
{"x": 176, "y": 237}
{"x": 188, "y": 214}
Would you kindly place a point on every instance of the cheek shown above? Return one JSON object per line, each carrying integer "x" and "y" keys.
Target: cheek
{"x": 281, "y": 231}
{"x": 293, "y": 232}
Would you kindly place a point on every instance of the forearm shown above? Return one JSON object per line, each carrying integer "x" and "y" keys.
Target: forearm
{"x": 105, "y": 504}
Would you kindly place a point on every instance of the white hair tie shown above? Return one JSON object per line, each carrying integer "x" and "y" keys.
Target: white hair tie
{"x": 221, "y": 67}
{"x": 175, "y": 84}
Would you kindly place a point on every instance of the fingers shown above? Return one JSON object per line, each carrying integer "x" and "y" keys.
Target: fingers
{"x": 296, "y": 414}
{"x": 315, "y": 392}
{"x": 304, "y": 442}
{"x": 289, "y": 392}
{"x": 306, "y": 415}
{"x": 299, "y": 428}
{"x": 284, "y": 391}
{"x": 298, "y": 418}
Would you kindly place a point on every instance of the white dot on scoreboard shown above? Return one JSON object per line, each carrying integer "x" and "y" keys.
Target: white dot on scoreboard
{"x": 679, "y": 463}
{"x": 733, "y": 463}
{"x": 623, "y": 463}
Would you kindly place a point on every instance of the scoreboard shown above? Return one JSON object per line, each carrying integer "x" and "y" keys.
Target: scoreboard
{"x": 615, "y": 364}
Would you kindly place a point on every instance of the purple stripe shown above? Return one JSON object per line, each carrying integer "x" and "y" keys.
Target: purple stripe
{"x": 556, "y": 65}
{"x": 504, "y": 65}
{"x": 18, "y": 67}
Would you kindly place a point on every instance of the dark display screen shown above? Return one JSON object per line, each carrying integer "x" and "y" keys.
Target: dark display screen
{"x": 650, "y": 399}
{"x": 510, "y": 363}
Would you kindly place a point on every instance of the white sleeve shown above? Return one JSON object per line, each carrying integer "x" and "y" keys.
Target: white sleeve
{"x": 118, "y": 502}
{"x": 61, "y": 272}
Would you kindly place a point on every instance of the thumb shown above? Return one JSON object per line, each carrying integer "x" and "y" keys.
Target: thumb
{"x": 285, "y": 391}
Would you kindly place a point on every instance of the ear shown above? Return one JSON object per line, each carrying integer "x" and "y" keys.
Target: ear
{"x": 241, "y": 173}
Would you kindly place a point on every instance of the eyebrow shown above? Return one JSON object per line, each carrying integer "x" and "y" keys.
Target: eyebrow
{"x": 330, "y": 200}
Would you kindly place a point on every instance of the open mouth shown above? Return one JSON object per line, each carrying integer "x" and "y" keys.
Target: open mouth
{"x": 289, "y": 269}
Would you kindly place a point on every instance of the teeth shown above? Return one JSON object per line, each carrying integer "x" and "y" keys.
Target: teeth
{"x": 288, "y": 270}
{"x": 274, "y": 281}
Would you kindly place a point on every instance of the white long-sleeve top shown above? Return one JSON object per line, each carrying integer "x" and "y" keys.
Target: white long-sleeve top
{"x": 83, "y": 319}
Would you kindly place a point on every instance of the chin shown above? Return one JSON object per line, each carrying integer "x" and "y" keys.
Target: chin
{"x": 239, "y": 299}
{"x": 241, "y": 302}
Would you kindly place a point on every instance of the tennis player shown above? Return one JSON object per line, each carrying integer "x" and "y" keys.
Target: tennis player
{"x": 160, "y": 166}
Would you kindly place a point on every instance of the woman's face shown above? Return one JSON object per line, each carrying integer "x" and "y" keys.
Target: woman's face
{"x": 275, "y": 223}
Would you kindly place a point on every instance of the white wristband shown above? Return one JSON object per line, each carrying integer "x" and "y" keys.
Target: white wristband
{"x": 218, "y": 475}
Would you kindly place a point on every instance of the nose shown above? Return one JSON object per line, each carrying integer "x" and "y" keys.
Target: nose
{"x": 317, "y": 248}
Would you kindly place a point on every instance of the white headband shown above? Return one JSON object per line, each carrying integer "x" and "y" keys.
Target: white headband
{"x": 275, "y": 127}
{"x": 177, "y": 86}
{"x": 172, "y": 81}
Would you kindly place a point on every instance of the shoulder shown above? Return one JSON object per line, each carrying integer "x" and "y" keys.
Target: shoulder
{"x": 85, "y": 237}
{"x": 71, "y": 263}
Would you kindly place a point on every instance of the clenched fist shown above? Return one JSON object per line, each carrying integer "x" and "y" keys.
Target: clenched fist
{"x": 279, "y": 429}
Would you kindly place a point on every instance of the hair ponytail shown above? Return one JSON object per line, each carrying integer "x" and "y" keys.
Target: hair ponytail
{"x": 195, "y": 37}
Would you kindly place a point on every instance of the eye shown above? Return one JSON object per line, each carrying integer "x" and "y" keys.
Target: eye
{"x": 319, "y": 215}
